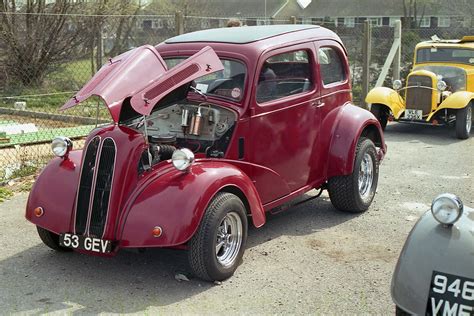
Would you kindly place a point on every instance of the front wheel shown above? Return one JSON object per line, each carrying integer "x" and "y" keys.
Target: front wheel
{"x": 381, "y": 113}
{"x": 464, "y": 122}
{"x": 216, "y": 249}
{"x": 51, "y": 240}
{"x": 355, "y": 192}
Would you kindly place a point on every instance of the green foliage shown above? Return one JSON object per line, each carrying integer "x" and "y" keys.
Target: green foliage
{"x": 5, "y": 194}
{"x": 24, "y": 170}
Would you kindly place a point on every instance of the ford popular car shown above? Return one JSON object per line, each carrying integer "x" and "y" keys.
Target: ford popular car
{"x": 212, "y": 129}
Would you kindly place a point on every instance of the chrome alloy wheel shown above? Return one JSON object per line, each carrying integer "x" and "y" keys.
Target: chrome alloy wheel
{"x": 366, "y": 176}
{"x": 469, "y": 119}
{"x": 229, "y": 239}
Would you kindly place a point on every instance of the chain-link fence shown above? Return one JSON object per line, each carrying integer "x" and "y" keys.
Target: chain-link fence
{"x": 45, "y": 58}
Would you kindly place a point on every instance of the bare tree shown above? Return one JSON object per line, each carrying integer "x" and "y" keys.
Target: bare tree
{"x": 35, "y": 37}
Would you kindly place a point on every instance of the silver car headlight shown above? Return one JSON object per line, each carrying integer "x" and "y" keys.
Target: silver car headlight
{"x": 61, "y": 146}
{"x": 397, "y": 84}
{"x": 441, "y": 85}
{"x": 447, "y": 208}
{"x": 182, "y": 159}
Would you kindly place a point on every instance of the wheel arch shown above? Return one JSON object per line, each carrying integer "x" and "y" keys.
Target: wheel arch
{"x": 388, "y": 97}
{"x": 352, "y": 123}
{"x": 177, "y": 202}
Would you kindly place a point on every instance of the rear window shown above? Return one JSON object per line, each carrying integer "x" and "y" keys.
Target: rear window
{"x": 332, "y": 69}
{"x": 227, "y": 83}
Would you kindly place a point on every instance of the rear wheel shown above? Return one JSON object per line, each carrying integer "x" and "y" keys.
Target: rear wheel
{"x": 51, "y": 240}
{"x": 355, "y": 192}
{"x": 400, "y": 312}
{"x": 216, "y": 249}
{"x": 464, "y": 122}
{"x": 381, "y": 113}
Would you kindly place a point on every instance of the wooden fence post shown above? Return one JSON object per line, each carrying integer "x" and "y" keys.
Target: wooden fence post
{"x": 179, "y": 22}
{"x": 397, "y": 36}
{"x": 366, "y": 52}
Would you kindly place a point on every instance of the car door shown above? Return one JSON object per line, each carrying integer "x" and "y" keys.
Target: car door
{"x": 284, "y": 120}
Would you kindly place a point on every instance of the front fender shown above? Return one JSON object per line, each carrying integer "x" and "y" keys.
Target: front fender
{"x": 457, "y": 100}
{"x": 388, "y": 97}
{"x": 177, "y": 201}
{"x": 348, "y": 128}
{"x": 59, "y": 180}
{"x": 430, "y": 247}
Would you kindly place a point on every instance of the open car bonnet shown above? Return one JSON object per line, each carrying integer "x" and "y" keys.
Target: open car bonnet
{"x": 142, "y": 75}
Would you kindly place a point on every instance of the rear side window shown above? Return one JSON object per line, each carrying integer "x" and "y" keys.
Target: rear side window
{"x": 284, "y": 75}
{"x": 332, "y": 67}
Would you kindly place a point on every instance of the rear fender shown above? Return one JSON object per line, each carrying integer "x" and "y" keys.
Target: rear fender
{"x": 59, "y": 180}
{"x": 352, "y": 123}
{"x": 457, "y": 100}
{"x": 387, "y": 97}
{"x": 177, "y": 201}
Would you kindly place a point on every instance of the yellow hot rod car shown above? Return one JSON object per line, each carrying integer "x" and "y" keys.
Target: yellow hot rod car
{"x": 439, "y": 90}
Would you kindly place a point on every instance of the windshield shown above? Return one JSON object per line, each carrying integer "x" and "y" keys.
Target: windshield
{"x": 454, "y": 77}
{"x": 450, "y": 55}
{"x": 227, "y": 83}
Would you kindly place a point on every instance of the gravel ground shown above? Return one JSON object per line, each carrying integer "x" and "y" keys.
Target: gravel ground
{"x": 309, "y": 259}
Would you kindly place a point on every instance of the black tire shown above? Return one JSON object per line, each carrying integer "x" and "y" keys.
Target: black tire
{"x": 51, "y": 240}
{"x": 205, "y": 260}
{"x": 401, "y": 312}
{"x": 344, "y": 191}
{"x": 381, "y": 113}
{"x": 464, "y": 122}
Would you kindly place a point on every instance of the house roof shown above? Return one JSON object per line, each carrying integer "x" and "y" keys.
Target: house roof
{"x": 238, "y": 35}
{"x": 362, "y": 8}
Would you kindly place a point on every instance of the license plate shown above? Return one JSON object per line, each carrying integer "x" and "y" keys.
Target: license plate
{"x": 413, "y": 114}
{"x": 450, "y": 295}
{"x": 85, "y": 243}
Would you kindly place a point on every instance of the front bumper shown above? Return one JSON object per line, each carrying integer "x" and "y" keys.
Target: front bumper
{"x": 430, "y": 247}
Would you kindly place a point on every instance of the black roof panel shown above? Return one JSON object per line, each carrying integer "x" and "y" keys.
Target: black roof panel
{"x": 238, "y": 35}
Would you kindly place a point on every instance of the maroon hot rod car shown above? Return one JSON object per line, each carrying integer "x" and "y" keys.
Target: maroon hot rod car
{"x": 211, "y": 130}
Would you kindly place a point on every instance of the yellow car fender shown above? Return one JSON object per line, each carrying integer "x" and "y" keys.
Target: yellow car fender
{"x": 388, "y": 97}
{"x": 457, "y": 100}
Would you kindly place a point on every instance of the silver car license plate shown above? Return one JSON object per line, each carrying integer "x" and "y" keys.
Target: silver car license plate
{"x": 413, "y": 115}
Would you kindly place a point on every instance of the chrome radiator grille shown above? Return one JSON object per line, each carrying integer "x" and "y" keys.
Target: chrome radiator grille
{"x": 95, "y": 187}
{"x": 418, "y": 98}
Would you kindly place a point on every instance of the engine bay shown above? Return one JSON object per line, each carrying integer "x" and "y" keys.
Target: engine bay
{"x": 199, "y": 127}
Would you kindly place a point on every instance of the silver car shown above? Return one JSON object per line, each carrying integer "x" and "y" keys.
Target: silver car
{"x": 435, "y": 271}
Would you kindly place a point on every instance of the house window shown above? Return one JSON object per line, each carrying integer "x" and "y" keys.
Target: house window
{"x": 444, "y": 21}
{"x": 261, "y": 22}
{"x": 157, "y": 24}
{"x": 222, "y": 23}
{"x": 306, "y": 21}
{"x": 349, "y": 22}
{"x": 375, "y": 21}
{"x": 391, "y": 21}
{"x": 425, "y": 22}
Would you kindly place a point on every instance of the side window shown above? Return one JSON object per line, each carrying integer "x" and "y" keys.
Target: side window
{"x": 284, "y": 75}
{"x": 332, "y": 67}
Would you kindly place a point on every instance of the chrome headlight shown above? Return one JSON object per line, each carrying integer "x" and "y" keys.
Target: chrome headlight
{"x": 447, "y": 208}
{"x": 61, "y": 146}
{"x": 397, "y": 84}
{"x": 441, "y": 85}
{"x": 182, "y": 159}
